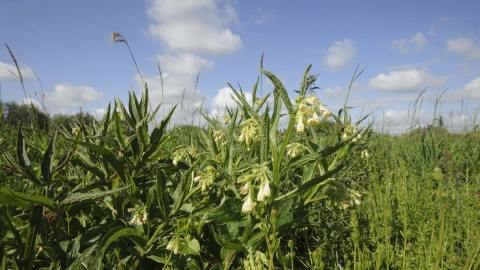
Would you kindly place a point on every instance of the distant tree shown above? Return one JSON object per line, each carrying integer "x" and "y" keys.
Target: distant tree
{"x": 21, "y": 114}
{"x": 441, "y": 121}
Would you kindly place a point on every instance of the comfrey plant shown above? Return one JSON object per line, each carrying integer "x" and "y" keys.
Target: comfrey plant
{"x": 277, "y": 177}
{"x": 120, "y": 193}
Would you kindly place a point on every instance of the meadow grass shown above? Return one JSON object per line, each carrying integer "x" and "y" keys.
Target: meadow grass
{"x": 125, "y": 192}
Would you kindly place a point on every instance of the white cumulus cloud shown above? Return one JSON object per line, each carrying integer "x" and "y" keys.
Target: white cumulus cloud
{"x": 471, "y": 91}
{"x": 465, "y": 47}
{"x": 5, "y": 74}
{"x": 183, "y": 64}
{"x": 224, "y": 99}
{"x": 69, "y": 95}
{"x": 194, "y": 26}
{"x": 339, "y": 54}
{"x": 414, "y": 44}
{"x": 405, "y": 81}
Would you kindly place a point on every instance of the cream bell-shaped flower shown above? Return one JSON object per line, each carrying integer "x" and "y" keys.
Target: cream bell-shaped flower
{"x": 248, "y": 205}
{"x": 300, "y": 125}
{"x": 260, "y": 196}
{"x": 312, "y": 100}
{"x": 325, "y": 113}
{"x": 303, "y": 108}
{"x": 314, "y": 120}
{"x": 266, "y": 189}
{"x": 244, "y": 190}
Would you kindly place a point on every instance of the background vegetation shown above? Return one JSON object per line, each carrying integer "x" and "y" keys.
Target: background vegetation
{"x": 122, "y": 192}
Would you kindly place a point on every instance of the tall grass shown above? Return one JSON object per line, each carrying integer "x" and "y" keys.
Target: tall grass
{"x": 238, "y": 193}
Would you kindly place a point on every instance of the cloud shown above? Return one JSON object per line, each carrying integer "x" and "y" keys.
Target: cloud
{"x": 265, "y": 17}
{"x": 414, "y": 44}
{"x": 69, "y": 95}
{"x": 184, "y": 64}
{"x": 193, "y": 26}
{"x": 5, "y": 74}
{"x": 339, "y": 54}
{"x": 224, "y": 99}
{"x": 431, "y": 31}
{"x": 405, "y": 81}
{"x": 471, "y": 91}
{"x": 465, "y": 47}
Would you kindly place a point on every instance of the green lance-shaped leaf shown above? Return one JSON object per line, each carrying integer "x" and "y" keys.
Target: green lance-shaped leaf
{"x": 23, "y": 159}
{"x": 307, "y": 185}
{"x": 229, "y": 211}
{"x": 8, "y": 199}
{"x": 77, "y": 198}
{"x": 281, "y": 91}
{"x": 119, "y": 129}
{"x": 109, "y": 156}
{"x": 159, "y": 130}
{"x": 31, "y": 244}
{"x": 265, "y": 134}
{"x": 47, "y": 160}
{"x": 234, "y": 244}
{"x": 39, "y": 200}
{"x": 133, "y": 234}
{"x": 82, "y": 257}
{"x": 303, "y": 87}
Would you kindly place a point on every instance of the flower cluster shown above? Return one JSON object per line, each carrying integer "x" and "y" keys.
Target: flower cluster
{"x": 173, "y": 245}
{"x": 249, "y": 133}
{"x": 182, "y": 154}
{"x": 353, "y": 198}
{"x": 225, "y": 119}
{"x": 295, "y": 149}
{"x": 308, "y": 113}
{"x": 255, "y": 260}
{"x": 206, "y": 179}
{"x": 219, "y": 137}
{"x": 139, "y": 216}
{"x": 259, "y": 174}
{"x": 348, "y": 131}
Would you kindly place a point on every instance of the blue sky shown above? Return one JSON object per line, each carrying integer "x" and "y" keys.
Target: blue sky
{"x": 405, "y": 45}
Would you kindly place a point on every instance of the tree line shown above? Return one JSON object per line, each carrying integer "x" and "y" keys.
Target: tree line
{"x": 21, "y": 114}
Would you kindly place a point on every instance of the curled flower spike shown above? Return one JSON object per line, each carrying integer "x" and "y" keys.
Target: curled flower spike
{"x": 295, "y": 149}
{"x": 248, "y": 205}
{"x": 225, "y": 119}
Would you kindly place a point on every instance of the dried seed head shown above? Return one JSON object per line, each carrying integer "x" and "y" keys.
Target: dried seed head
{"x": 115, "y": 35}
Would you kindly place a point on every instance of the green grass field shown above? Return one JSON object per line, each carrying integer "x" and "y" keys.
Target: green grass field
{"x": 324, "y": 192}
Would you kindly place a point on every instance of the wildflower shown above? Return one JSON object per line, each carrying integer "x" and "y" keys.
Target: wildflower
{"x": 365, "y": 154}
{"x": 248, "y": 205}
{"x": 312, "y": 100}
{"x": 242, "y": 137}
{"x": 325, "y": 113}
{"x": 260, "y": 196}
{"x": 314, "y": 120}
{"x": 218, "y": 136}
{"x": 244, "y": 190}
{"x": 249, "y": 133}
{"x": 225, "y": 119}
{"x": 173, "y": 245}
{"x": 303, "y": 108}
{"x": 300, "y": 125}
{"x": 294, "y": 149}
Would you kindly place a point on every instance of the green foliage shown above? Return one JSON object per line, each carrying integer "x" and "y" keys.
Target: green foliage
{"x": 123, "y": 192}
